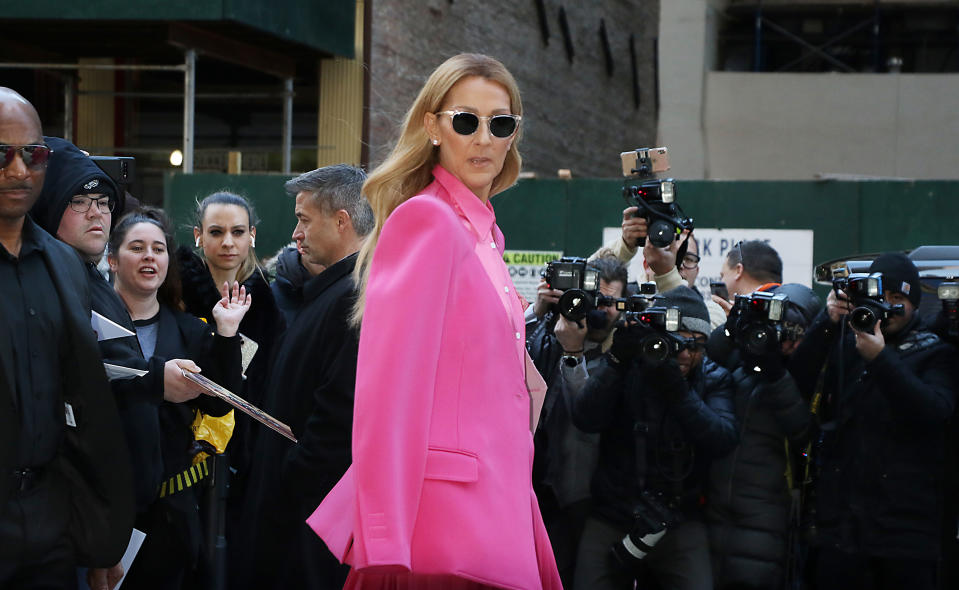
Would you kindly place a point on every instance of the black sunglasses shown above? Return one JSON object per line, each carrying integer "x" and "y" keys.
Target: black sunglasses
{"x": 501, "y": 126}
{"x": 33, "y": 156}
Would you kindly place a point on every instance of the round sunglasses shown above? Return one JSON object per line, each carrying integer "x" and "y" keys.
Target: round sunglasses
{"x": 33, "y": 156}
{"x": 465, "y": 123}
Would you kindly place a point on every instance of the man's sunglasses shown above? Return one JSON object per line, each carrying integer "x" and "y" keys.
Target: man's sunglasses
{"x": 33, "y": 156}
{"x": 465, "y": 123}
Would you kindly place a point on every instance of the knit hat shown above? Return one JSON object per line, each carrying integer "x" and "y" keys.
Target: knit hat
{"x": 70, "y": 172}
{"x": 899, "y": 275}
{"x": 693, "y": 314}
{"x": 804, "y": 304}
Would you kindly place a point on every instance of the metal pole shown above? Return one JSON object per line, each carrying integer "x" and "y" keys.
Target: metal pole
{"x": 189, "y": 92}
{"x": 287, "y": 124}
{"x": 68, "y": 93}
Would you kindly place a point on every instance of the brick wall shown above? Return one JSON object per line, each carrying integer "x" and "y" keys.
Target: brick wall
{"x": 576, "y": 115}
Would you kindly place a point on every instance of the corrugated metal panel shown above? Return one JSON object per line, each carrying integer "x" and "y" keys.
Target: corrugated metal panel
{"x": 340, "y": 121}
{"x": 95, "y": 114}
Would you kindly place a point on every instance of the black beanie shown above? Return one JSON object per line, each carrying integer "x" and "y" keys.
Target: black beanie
{"x": 899, "y": 275}
{"x": 70, "y": 172}
{"x": 694, "y": 316}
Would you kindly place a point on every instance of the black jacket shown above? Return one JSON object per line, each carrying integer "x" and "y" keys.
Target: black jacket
{"x": 680, "y": 435}
{"x": 93, "y": 457}
{"x": 288, "y": 285}
{"x": 748, "y": 498}
{"x": 310, "y": 389}
{"x": 565, "y": 456}
{"x": 880, "y": 486}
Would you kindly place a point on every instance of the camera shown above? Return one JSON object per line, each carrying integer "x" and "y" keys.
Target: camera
{"x": 653, "y": 516}
{"x": 121, "y": 169}
{"x": 865, "y": 291}
{"x": 656, "y": 202}
{"x": 579, "y": 283}
{"x": 757, "y": 322}
{"x": 657, "y": 327}
{"x": 634, "y": 304}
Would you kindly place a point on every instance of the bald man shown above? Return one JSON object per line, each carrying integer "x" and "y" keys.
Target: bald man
{"x": 65, "y": 489}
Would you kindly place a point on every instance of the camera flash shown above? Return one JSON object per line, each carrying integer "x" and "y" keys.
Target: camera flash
{"x": 672, "y": 319}
{"x": 948, "y": 291}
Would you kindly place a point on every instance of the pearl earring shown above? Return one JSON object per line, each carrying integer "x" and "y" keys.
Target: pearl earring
{"x": 253, "y": 242}
{"x": 436, "y": 142}
{"x": 198, "y": 242}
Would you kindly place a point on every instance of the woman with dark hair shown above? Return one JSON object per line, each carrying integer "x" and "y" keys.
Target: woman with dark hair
{"x": 439, "y": 494}
{"x": 224, "y": 232}
{"x": 148, "y": 285}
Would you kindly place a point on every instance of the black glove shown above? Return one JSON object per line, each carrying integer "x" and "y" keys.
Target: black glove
{"x": 626, "y": 345}
{"x": 667, "y": 379}
{"x": 771, "y": 366}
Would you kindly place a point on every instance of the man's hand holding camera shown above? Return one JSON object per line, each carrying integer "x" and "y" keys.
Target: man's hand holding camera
{"x": 634, "y": 227}
{"x": 570, "y": 335}
{"x": 837, "y": 306}
{"x": 546, "y": 297}
{"x": 868, "y": 344}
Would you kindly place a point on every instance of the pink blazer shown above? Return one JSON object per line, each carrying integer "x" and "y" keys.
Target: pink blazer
{"x": 442, "y": 449}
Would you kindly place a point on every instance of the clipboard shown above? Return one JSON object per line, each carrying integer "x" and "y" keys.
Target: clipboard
{"x": 240, "y": 404}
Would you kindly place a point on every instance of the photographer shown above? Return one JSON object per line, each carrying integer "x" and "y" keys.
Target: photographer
{"x": 672, "y": 266}
{"x": 749, "y": 500}
{"x": 886, "y": 396}
{"x": 659, "y": 424}
{"x": 751, "y": 265}
{"x": 563, "y": 352}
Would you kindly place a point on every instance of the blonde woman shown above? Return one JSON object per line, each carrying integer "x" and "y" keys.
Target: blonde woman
{"x": 439, "y": 494}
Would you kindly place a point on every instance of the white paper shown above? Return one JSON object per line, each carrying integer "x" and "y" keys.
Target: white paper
{"x": 136, "y": 539}
{"x": 120, "y": 372}
{"x": 107, "y": 329}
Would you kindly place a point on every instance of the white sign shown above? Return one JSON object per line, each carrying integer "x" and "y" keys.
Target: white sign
{"x": 525, "y": 267}
{"x": 794, "y": 247}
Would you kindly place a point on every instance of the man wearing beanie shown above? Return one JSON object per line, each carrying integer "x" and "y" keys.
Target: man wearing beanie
{"x": 885, "y": 397}
{"x": 660, "y": 424}
{"x": 77, "y": 205}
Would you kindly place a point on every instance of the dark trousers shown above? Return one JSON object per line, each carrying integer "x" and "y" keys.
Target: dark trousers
{"x": 35, "y": 549}
{"x": 851, "y": 571}
{"x": 680, "y": 561}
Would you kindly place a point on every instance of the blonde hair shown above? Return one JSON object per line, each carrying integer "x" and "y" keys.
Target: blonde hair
{"x": 409, "y": 167}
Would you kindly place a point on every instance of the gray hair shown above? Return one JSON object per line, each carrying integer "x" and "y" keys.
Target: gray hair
{"x": 337, "y": 187}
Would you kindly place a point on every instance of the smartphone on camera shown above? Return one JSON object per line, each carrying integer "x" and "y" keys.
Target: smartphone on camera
{"x": 658, "y": 160}
{"x": 719, "y": 289}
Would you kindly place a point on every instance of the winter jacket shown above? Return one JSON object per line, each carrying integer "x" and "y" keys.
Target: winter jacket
{"x": 879, "y": 490}
{"x": 748, "y": 500}
{"x": 680, "y": 435}
{"x": 288, "y": 285}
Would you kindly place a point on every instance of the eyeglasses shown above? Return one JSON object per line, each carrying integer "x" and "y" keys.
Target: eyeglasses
{"x": 465, "y": 123}
{"x": 83, "y": 204}
{"x": 690, "y": 261}
{"x": 33, "y": 156}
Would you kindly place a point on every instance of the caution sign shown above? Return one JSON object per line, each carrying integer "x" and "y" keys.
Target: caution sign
{"x": 525, "y": 267}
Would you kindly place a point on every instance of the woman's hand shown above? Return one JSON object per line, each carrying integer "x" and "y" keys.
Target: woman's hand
{"x": 230, "y": 309}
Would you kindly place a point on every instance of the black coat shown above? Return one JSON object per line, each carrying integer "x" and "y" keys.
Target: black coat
{"x": 748, "y": 498}
{"x": 310, "y": 389}
{"x": 263, "y": 323}
{"x": 93, "y": 457}
{"x": 288, "y": 285}
{"x": 880, "y": 486}
{"x": 682, "y": 435}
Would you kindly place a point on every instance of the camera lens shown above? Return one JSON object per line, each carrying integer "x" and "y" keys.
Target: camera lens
{"x": 574, "y": 304}
{"x": 757, "y": 339}
{"x": 863, "y": 319}
{"x": 655, "y": 349}
{"x": 661, "y": 233}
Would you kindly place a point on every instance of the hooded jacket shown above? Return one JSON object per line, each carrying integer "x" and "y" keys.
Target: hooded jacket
{"x": 288, "y": 285}
{"x": 71, "y": 172}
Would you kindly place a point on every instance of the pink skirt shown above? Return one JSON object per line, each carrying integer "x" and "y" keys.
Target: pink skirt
{"x": 360, "y": 581}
